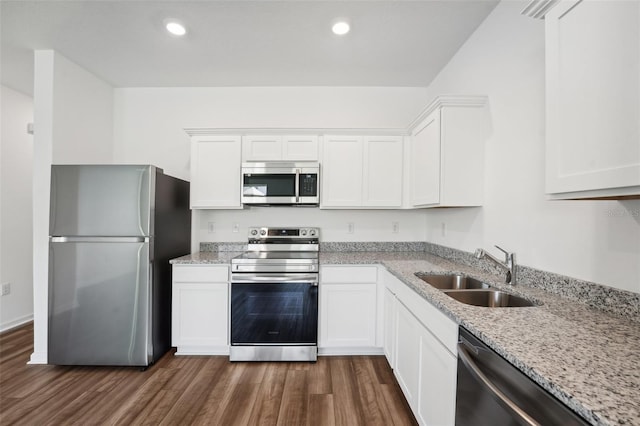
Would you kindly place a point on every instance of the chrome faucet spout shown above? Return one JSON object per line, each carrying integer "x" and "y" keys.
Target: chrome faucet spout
{"x": 509, "y": 262}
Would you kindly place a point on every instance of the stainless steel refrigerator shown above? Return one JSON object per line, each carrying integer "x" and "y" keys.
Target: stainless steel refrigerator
{"x": 113, "y": 229}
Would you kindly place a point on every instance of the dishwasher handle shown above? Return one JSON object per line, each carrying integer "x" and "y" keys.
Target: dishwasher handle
{"x": 508, "y": 404}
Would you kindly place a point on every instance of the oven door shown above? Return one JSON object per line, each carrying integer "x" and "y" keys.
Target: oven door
{"x": 274, "y": 309}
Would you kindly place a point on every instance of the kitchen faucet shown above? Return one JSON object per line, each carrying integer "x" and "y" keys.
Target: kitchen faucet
{"x": 509, "y": 263}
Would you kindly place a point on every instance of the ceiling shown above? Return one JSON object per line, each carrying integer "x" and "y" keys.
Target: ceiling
{"x": 240, "y": 43}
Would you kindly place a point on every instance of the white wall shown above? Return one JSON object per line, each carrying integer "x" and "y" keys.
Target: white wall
{"x": 369, "y": 225}
{"x": 149, "y": 127}
{"x": 73, "y": 112}
{"x": 597, "y": 241}
{"x": 16, "y": 162}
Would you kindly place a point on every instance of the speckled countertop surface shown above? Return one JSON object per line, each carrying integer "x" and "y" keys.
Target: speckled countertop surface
{"x": 587, "y": 358}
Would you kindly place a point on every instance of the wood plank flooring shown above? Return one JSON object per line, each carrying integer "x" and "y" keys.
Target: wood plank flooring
{"x": 205, "y": 390}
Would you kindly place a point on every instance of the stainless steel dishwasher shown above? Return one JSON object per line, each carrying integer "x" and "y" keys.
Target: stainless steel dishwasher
{"x": 491, "y": 391}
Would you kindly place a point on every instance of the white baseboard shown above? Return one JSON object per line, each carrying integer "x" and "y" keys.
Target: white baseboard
{"x": 202, "y": 350}
{"x": 353, "y": 351}
{"x": 38, "y": 358}
{"x": 15, "y": 323}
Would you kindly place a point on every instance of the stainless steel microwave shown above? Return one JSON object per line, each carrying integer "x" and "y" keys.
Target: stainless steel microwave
{"x": 280, "y": 183}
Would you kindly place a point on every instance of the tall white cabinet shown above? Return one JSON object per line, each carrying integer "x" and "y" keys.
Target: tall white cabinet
{"x": 215, "y": 171}
{"x": 447, "y": 153}
{"x": 593, "y": 99}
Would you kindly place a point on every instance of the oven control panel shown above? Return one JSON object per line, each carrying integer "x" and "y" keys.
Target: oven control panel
{"x": 283, "y": 233}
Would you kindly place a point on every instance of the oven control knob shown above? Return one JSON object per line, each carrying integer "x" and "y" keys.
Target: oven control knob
{"x": 263, "y": 232}
{"x": 254, "y": 232}
{"x": 304, "y": 232}
{"x": 312, "y": 232}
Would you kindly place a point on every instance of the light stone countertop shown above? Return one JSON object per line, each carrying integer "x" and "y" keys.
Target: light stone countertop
{"x": 587, "y": 358}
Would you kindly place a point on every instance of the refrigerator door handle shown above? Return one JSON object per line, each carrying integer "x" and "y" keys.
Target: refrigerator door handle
{"x": 99, "y": 239}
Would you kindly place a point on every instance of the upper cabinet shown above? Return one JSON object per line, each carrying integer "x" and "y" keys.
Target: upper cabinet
{"x": 593, "y": 99}
{"x": 215, "y": 172}
{"x": 361, "y": 172}
{"x": 447, "y": 153}
{"x": 280, "y": 148}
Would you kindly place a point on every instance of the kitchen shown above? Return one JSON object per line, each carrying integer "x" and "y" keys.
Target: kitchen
{"x": 596, "y": 241}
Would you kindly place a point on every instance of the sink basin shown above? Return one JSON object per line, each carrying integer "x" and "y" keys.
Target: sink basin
{"x": 452, "y": 281}
{"x": 489, "y": 298}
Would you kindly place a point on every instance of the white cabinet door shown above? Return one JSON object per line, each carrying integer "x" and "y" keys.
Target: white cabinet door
{"x": 382, "y": 174}
{"x": 341, "y": 171}
{"x": 438, "y": 373}
{"x": 280, "y": 148}
{"x": 425, "y": 161}
{"x": 300, "y": 148}
{"x": 200, "y": 313}
{"x": 407, "y": 371}
{"x": 348, "y": 313}
{"x": 215, "y": 172}
{"x": 593, "y": 99}
{"x": 261, "y": 148}
{"x": 362, "y": 172}
{"x": 447, "y": 153}
{"x": 348, "y": 310}
{"x": 200, "y": 310}
{"x": 389, "y": 321}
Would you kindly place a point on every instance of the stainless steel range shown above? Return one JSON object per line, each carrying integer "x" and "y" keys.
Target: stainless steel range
{"x": 274, "y": 296}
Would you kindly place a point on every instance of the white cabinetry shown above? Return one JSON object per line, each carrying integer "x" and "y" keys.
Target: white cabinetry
{"x": 280, "y": 148}
{"x": 423, "y": 353}
{"x": 349, "y": 310}
{"x": 361, "y": 172}
{"x": 593, "y": 99}
{"x": 215, "y": 172}
{"x": 447, "y": 153}
{"x": 407, "y": 368}
{"x": 200, "y": 309}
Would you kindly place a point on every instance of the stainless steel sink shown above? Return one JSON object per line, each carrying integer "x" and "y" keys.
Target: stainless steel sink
{"x": 451, "y": 281}
{"x": 489, "y": 298}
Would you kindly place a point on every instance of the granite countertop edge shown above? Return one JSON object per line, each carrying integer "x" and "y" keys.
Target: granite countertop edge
{"x": 539, "y": 352}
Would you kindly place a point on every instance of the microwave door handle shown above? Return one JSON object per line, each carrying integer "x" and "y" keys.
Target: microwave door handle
{"x": 297, "y": 185}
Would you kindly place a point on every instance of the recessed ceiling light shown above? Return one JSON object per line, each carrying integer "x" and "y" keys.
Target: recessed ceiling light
{"x": 340, "y": 27}
{"x": 175, "y": 27}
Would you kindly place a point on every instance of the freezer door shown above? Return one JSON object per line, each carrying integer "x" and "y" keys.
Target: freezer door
{"x": 101, "y": 200}
{"x": 99, "y": 296}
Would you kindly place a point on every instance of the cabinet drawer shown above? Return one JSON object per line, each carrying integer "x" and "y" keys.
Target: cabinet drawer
{"x": 200, "y": 273}
{"x": 348, "y": 274}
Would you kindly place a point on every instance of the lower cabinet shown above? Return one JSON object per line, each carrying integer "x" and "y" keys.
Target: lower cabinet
{"x": 420, "y": 346}
{"x": 438, "y": 373}
{"x": 407, "y": 368}
{"x": 200, "y": 310}
{"x": 348, "y": 310}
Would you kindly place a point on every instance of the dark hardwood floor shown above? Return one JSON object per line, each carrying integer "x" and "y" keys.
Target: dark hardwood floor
{"x": 204, "y": 390}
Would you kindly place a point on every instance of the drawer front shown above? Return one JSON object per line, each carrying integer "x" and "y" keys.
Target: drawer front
{"x": 348, "y": 274}
{"x": 200, "y": 273}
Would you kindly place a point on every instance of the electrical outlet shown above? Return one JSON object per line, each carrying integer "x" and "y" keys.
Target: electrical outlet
{"x": 395, "y": 227}
{"x": 236, "y": 228}
{"x": 211, "y": 227}
{"x": 6, "y": 289}
{"x": 350, "y": 227}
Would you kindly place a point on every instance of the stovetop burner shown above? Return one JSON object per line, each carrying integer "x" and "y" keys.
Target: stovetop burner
{"x": 279, "y": 250}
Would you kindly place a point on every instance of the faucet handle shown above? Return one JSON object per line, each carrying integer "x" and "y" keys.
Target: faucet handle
{"x": 502, "y": 250}
{"x": 509, "y": 257}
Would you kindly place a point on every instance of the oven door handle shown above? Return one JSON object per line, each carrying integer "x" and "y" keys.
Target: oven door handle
{"x": 261, "y": 279}
{"x": 505, "y": 401}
